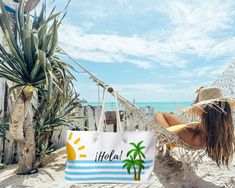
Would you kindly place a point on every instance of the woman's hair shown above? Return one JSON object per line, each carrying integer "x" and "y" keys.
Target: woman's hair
{"x": 219, "y": 130}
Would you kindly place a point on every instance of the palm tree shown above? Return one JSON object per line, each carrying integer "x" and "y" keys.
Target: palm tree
{"x": 128, "y": 164}
{"x": 37, "y": 72}
{"x": 137, "y": 152}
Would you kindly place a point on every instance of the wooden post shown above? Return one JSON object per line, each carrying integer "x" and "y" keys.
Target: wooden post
{"x": 2, "y": 96}
{"x": 90, "y": 119}
{"x": 111, "y": 121}
{"x": 97, "y": 110}
{"x": 80, "y": 114}
{"x": 2, "y": 102}
{"x": 9, "y": 149}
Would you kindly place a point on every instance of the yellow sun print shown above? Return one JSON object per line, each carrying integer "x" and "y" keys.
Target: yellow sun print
{"x": 71, "y": 151}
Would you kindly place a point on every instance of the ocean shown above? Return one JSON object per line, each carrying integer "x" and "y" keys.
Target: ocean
{"x": 158, "y": 106}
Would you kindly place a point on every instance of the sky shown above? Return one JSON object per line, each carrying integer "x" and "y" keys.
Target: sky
{"x": 149, "y": 50}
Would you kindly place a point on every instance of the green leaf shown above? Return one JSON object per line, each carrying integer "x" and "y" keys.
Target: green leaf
{"x": 54, "y": 40}
{"x": 36, "y": 69}
{"x": 133, "y": 144}
{"x": 125, "y": 165}
{"x": 142, "y": 147}
{"x": 142, "y": 154}
{"x": 129, "y": 169}
{"x": 126, "y": 161}
{"x": 129, "y": 152}
{"x": 135, "y": 154}
{"x": 138, "y": 145}
{"x": 142, "y": 166}
{"x": 139, "y": 161}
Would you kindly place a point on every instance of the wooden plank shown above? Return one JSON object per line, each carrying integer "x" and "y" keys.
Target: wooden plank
{"x": 62, "y": 136}
{"x": 9, "y": 149}
{"x": 1, "y": 150}
{"x": 55, "y": 137}
{"x": 9, "y": 145}
{"x": 129, "y": 125}
{"x": 2, "y": 96}
{"x": 2, "y": 102}
{"x": 110, "y": 117}
{"x": 124, "y": 120}
{"x": 90, "y": 119}
{"x": 97, "y": 115}
{"x": 59, "y": 136}
{"x": 80, "y": 114}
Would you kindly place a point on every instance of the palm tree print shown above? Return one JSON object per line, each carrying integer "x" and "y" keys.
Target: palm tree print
{"x": 135, "y": 160}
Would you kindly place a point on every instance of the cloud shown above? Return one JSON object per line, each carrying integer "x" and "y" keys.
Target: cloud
{"x": 110, "y": 48}
{"x": 143, "y": 87}
{"x": 193, "y": 29}
{"x": 188, "y": 42}
{"x": 200, "y": 27}
{"x": 142, "y": 64}
{"x": 213, "y": 70}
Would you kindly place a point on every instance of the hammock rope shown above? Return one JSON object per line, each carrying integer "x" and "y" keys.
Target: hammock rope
{"x": 227, "y": 81}
{"x": 162, "y": 134}
{"x": 189, "y": 156}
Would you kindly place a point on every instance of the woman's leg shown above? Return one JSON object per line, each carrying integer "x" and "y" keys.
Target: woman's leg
{"x": 171, "y": 119}
{"x": 161, "y": 120}
{"x": 167, "y": 120}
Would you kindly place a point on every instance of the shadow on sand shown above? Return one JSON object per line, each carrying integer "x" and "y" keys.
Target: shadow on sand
{"x": 170, "y": 173}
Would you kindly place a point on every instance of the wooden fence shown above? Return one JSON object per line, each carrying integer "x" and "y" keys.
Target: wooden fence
{"x": 89, "y": 118}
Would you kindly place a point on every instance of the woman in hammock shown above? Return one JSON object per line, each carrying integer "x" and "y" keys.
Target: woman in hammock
{"x": 214, "y": 131}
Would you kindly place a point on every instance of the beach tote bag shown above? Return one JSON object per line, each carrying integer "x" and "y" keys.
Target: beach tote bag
{"x": 110, "y": 157}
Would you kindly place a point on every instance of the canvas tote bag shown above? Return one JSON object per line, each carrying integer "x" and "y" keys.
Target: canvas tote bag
{"x": 110, "y": 157}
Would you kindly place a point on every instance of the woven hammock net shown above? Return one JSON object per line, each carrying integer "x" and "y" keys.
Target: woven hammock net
{"x": 183, "y": 151}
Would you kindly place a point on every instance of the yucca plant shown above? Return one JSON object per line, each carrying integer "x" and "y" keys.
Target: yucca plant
{"x": 36, "y": 70}
{"x": 46, "y": 121}
{"x": 44, "y": 149}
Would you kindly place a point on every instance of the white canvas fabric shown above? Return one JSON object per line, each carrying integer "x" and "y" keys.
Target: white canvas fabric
{"x": 110, "y": 157}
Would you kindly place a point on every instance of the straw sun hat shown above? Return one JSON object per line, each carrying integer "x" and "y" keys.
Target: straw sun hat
{"x": 208, "y": 96}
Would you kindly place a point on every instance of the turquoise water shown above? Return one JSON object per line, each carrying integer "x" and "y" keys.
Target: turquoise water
{"x": 158, "y": 106}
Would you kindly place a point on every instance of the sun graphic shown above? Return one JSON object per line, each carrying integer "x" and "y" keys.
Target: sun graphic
{"x": 71, "y": 151}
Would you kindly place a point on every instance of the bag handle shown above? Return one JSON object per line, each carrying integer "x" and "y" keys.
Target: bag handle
{"x": 102, "y": 115}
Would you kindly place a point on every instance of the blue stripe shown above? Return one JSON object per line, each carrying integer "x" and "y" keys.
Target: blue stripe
{"x": 97, "y": 167}
{"x": 92, "y": 161}
{"x": 9, "y": 9}
{"x": 99, "y": 173}
{"x": 13, "y": 11}
{"x": 99, "y": 178}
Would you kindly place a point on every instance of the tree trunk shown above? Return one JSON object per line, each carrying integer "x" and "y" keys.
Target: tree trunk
{"x": 139, "y": 174}
{"x": 27, "y": 146}
{"x": 139, "y": 170}
{"x": 135, "y": 173}
{"x": 21, "y": 129}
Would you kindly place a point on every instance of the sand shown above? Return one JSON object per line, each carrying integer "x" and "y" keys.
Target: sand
{"x": 168, "y": 174}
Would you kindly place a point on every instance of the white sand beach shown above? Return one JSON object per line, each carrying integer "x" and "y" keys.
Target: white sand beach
{"x": 169, "y": 175}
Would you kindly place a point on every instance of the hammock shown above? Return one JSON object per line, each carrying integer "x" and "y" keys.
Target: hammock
{"x": 186, "y": 153}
